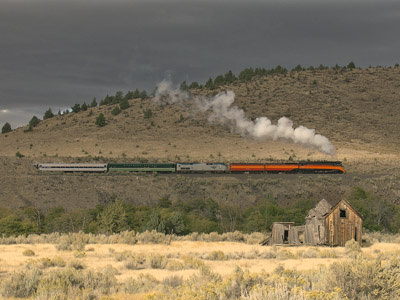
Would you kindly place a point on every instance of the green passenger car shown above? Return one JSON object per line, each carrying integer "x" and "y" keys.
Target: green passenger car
{"x": 159, "y": 168}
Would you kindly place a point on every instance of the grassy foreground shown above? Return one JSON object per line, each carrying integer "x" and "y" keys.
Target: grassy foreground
{"x": 152, "y": 265}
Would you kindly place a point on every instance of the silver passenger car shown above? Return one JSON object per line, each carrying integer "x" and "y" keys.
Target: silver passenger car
{"x": 201, "y": 168}
{"x": 76, "y": 167}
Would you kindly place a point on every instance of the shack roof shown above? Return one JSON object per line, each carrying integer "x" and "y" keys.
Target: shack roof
{"x": 321, "y": 209}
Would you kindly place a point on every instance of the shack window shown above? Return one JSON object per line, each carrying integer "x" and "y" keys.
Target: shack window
{"x": 343, "y": 213}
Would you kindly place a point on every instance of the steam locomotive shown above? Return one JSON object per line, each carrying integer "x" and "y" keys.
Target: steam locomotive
{"x": 316, "y": 167}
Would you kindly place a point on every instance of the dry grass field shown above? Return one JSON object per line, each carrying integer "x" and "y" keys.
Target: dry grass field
{"x": 211, "y": 270}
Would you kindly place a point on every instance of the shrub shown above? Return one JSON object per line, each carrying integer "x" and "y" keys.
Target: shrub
{"x": 28, "y": 252}
{"x": 116, "y": 110}
{"x": 143, "y": 283}
{"x": 352, "y": 247}
{"x": 20, "y": 284}
{"x": 192, "y": 262}
{"x": 148, "y": 113}
{"x": 58, "y": 262}
{"x": 158, "y": 261}
{"x": 79, "y": 254}
{"x": 19, "y": 154}
{"x": 135, "y": 262}
{"x": 173, "y": 281}
{"x": 77, "y": 265}
{"x": 174, "y": 265}
{"x": 153, "y": 237}
{"x": 217, "y": 255}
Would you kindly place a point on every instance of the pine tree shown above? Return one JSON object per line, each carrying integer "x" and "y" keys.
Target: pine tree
{"x": 184, "y": 87}
{"x": 34, "y": 121}
{"x": 194, "y": 85}
{"x": 84, "y": 107}
{"x": 136, "y": 94}
{"x": 129, "y": 95}
{"x": 6, "y": 128}
{"x": 209, "y": 84}
{"x": 76, "y": 108}
{"x": 351, "y": 65}
{"x": 94, "y": 102}
{"x": 48, "y": 114}
{"x": 143, "y": 94}
{"x": 229, "y": 77}
{"x": 124, "y": 103}
{"x": 118, "y": 97}
{"x": 101, "y": 120}
{"x": 219, "y": 80}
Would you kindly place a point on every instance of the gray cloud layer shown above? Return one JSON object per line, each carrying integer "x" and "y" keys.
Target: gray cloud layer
{"x": 57, "y": 53}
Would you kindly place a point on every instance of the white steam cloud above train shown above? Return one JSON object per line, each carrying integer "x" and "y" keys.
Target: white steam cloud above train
{"x": 221, "y": 109}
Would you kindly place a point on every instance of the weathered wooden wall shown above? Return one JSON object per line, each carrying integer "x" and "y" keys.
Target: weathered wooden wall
{"x": 295, "y": 234}
{"x": 340, "y": 229}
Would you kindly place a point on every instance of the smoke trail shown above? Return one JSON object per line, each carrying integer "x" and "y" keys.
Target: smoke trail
{"x": 221, "y": 110}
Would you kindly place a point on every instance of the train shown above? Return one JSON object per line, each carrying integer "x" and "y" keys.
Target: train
{"x": 303, "y": 167}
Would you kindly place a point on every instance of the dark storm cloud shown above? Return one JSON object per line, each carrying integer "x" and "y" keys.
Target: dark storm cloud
{"x": 57, "y": 53}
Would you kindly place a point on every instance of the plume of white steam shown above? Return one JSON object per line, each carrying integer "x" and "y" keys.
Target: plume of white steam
{"x": 164, "y": 88}
{"x": 222, "y": 110}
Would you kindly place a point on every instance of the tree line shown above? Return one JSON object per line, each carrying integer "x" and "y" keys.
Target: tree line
{"x": 223, "y": 79}
{"x": 185, "y": 217}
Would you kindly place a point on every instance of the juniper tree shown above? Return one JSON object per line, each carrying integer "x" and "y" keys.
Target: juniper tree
{"x": 76, "y": 108}
{"x": 94, "y": 102}
{"x": 101, "y": 120}
{"x": 34, "y": 121}
{"x": 48, "y": 114}
{"x": 84, "y": 107}
{"x": 6, "y": 128}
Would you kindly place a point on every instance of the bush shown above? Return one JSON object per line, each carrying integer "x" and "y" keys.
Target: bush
{"x": 28, "y": 252}
{"x": 174, "y": 265}
{"x": 116, "y": 110}
{"x": 20, "y": 284}
{"x": 58, "y": 262}
{"x": 19, "y": 154}
{"x": 352, "y": 247}
{"x": 148, "y": 113}
{"x": 217, "y": 255}
{"x": 158, "y": 261}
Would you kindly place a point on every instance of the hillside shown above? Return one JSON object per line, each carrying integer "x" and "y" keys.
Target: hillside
{"x": 357, "y": 110}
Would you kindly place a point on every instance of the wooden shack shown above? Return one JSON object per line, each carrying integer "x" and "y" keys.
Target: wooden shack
{"x": 342, "y": 224}
{"x": 325, "y": 225}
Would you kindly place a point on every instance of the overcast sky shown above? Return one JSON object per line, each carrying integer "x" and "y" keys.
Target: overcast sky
{"x": 60, "y": 52}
